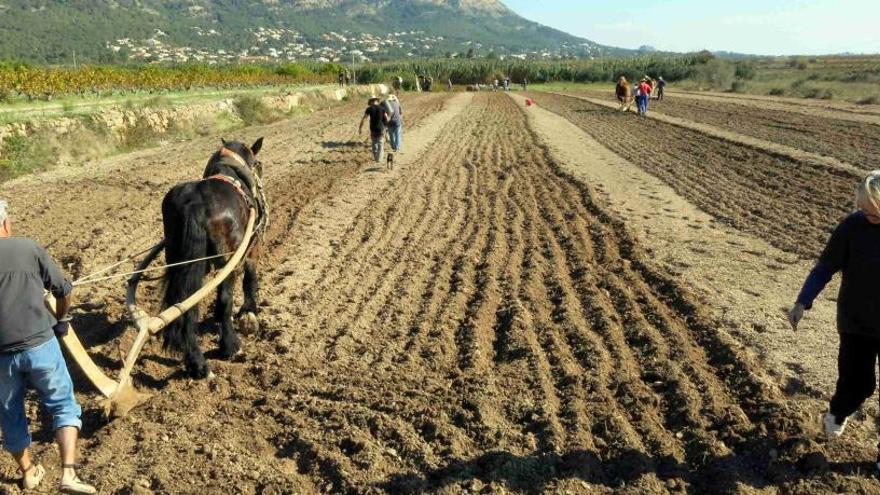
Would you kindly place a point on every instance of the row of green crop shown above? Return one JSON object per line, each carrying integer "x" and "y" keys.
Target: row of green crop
{"x": 31, "y": 82}
{"x": 464, "y": 71}
{"x": 23, "y": 81}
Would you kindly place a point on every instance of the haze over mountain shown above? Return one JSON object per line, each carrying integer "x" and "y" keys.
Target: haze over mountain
{"x": 230, "y": 30}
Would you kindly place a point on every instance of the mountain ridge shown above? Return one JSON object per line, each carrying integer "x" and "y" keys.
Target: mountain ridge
{"x": 118, "y": 31}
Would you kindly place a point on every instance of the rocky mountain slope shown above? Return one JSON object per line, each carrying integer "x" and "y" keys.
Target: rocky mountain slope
{"x": 55, "y": 31}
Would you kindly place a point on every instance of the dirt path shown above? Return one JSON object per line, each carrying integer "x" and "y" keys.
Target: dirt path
{"x": 735, "y": 137}
{"x": 747, "y": 282}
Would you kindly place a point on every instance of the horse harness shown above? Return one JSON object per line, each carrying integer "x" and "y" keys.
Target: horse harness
{"x": 257, "y": 199}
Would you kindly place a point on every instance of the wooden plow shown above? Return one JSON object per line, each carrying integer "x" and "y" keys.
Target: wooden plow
{"x": 120, "y": 395}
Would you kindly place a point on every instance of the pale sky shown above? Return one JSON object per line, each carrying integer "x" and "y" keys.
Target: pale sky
{"x": 780, "y": 27}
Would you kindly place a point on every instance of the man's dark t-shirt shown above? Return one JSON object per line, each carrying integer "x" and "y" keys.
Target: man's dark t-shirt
{"x": 377, "y": 119}
{"x": 854, "y": 250}
{"x": 26, "y": 269}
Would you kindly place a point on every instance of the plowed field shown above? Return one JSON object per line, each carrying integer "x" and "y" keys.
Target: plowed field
{"x": 474, "y": 320}
{"x": 790, "y": 203}
{"x": 857, "y": 143}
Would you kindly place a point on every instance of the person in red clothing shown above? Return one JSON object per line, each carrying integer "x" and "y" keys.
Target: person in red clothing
{"x": 644, "y": 95}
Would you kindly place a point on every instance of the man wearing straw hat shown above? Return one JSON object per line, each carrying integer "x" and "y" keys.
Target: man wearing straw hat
{"x": 31, "y": 356}
{"x": 378, "y": 116}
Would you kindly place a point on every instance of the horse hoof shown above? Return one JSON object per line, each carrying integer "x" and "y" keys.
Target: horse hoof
{"x": 248, "y": 324}
{"x": 198, "y": 372}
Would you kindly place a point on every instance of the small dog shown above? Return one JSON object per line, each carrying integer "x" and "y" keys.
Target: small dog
{"x": 389, "y": 162}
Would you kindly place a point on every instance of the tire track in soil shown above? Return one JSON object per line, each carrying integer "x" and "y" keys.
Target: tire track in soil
{"x": 857, "y": 143}
{"x": 742, "y": 187}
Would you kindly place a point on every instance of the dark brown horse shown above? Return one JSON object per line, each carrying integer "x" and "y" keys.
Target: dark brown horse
{"x": 206, "y": 218}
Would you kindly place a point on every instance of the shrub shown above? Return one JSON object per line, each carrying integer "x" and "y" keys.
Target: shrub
{"x": 818, "y": 94}
{"x": 738, "y": 87}
{"x": 745, "y": 70}
{"x": 869, "y": 100}
{"x": 23, "y": 155}
{"x": 797, "y": 63}
{"x": 252, "y": 110}
{"x": 776, "y": 91}
{"x": 717, "y": 74}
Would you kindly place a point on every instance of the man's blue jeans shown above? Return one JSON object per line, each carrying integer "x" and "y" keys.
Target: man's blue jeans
{"x": 44, "y": 369}
{"x": 643, "y": 104}
{"x": 395, "y": 135}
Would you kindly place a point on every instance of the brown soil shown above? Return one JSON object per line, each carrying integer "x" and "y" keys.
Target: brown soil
{"x": 477, "y": 319}
{"x": 837, "y": 109}
{"x": 857, "y": 143}
{"x": 789, "y": 203}
{"x": 747, "y": 284}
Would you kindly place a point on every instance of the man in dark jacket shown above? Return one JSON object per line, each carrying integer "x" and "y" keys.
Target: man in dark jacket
{"x": 378, "y": 117}
{"x": 31, "y": 356}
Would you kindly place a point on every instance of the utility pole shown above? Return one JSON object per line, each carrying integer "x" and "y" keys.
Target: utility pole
{"x": 74, "y": 60}
{"x": 353, "y": 71}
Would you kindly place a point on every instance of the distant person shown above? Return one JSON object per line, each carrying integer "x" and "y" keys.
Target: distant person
{"x": 30, "y": 356}
{"x": 429, "y": 81}
{"x": 525, "y": 83}
{"x": 644, "y": 95}
{"x": 449, "y": 85}
{"x": 623, "y": 91}
{"x": 378, "y": 117}
{"x": 348, "y": 78}
{"x": 341, "y": 79}
{"x": 495, "y": 85}
{"x": 661, "y": 84}
{"x": 853, "y": 250}
{"x": 506, "y": 84}
{"x": 397, "y": 83}
{"x": 636, "y": 96}
{"x": 395, "y": 121}
{"x": 421, "y": 82}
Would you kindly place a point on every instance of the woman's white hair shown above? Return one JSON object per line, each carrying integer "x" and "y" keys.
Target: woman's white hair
{"x": 3, "y": 214}
{"x": 869, "y": 190}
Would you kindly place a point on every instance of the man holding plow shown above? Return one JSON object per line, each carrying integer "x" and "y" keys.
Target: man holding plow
{"x": 30, "y": 355}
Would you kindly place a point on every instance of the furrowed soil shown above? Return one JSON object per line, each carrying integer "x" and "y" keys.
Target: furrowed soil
{"x": 857, "y": 143}
{"x": 475, "y": 320}
{"x": 747, "y": 188}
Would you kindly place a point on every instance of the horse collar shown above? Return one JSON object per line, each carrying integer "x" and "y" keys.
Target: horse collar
{"x": 235, "y": 183}
{"x": 224, "y": 151}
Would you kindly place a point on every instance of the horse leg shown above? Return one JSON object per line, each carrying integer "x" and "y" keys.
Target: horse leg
{"x": 229, "y": 341}
{"x": 185, "y": 239}
{"x": 247, "y": 315}
{"x": 193, "y": 359}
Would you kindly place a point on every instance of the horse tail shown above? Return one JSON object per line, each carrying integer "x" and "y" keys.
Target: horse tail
{"x": 184, "y": 217}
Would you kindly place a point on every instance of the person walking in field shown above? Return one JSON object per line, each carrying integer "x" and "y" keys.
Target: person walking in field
{"x": 661, "y": 84}
{"x": 378, "y": 117}
{"x": 644, "y": 95}
{"x": 395, "y": 121}
{"x": 854, "y": 251}
{"x": 30, "y": 356}
{"x": 623, "y": 91}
